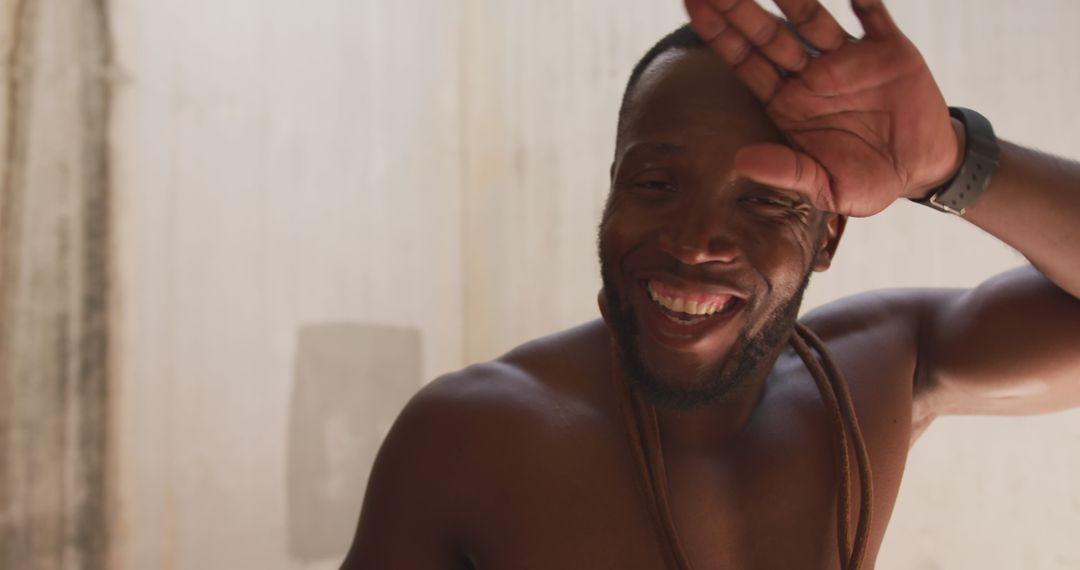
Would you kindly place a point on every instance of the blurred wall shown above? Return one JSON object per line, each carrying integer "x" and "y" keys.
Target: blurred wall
{"x": 288, "y": 183}
{"x": 322, "y": 205}
{"x": 54, "y": 259}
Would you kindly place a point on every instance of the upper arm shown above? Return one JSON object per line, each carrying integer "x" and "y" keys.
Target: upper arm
{"x": 1009, "y": 346}
{"x": 407, "y": 520}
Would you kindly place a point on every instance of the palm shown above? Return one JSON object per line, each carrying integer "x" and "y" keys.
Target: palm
{"x": 866, "y": 119}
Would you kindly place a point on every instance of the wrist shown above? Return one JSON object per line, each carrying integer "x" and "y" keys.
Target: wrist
{"x": 923, "y": 192}
{"x": 978, "y": 163}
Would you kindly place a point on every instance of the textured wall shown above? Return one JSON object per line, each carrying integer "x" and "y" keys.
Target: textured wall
{"x": 282, "y": 167}
{"x": 53, "y": 277}
{"x": 293, "y": 177}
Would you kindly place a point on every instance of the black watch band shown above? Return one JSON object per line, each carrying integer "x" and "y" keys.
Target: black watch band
{"x": 980, "y": 161}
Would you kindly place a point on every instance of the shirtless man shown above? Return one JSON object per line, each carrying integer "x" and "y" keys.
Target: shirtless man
{"x": 731, "y": 184}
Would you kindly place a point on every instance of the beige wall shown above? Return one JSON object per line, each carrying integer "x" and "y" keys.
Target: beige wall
{"x": 288, "y": 181}
{"x": 323, "y": 204}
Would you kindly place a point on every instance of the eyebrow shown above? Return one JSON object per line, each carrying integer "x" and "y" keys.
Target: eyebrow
{"x": 657, "y": 147}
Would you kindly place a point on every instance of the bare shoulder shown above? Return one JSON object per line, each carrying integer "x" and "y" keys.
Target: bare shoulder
{"x": 889, "y": 328}
{"x": 488, "y": 409}
{"x": 550, "y": 379}
{"x": 411, "y": 518}
{"x": 473, "y": 428}
{"x": 881, "y": 339}
{"x": 891, "y": 315}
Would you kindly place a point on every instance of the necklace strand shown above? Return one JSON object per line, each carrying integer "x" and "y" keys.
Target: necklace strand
{"x": 643, "y": 432}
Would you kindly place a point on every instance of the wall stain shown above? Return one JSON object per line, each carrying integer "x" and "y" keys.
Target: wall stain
{"x": 54, "y": 265}
{"x": 351, "y": 380}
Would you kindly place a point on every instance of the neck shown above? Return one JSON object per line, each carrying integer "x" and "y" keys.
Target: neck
{"x": 645, "y": 432}
{"x": 718, "y": 423}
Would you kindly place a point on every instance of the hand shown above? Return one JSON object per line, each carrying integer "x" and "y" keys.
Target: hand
{"x": 865, "y": 117}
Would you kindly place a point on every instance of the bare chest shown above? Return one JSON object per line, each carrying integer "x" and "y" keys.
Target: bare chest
{"x": 765, "y": 501}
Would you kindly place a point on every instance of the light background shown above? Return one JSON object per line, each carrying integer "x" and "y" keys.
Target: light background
{"x": 321, "y": 205}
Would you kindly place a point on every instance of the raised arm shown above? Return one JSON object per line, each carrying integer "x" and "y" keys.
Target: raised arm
{"x": 1033, "y": 204}
{"x": 867, "y": 125}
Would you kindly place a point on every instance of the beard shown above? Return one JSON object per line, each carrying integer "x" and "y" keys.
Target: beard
{"x": 713, "y": 383}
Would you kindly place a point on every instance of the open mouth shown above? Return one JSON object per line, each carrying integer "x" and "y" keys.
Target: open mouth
{"x": 690, "y": 308}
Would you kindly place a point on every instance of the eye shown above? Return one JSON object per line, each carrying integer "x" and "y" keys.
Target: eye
{"x": 655, "y": 185}
{"x": 770, "y": 201}
{"x": 767, "y": 201}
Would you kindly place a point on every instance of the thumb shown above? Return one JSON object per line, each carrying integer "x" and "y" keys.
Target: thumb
{"x": 783, "y": 167}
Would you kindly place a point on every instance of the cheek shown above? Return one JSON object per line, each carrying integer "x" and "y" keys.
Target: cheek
{"x": 625, "y": 229}
{"x": 797, "y": 244}
{"x": 783, "y": 256}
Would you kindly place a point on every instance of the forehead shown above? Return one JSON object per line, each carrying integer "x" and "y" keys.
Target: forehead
{"x": 689, "y": 94}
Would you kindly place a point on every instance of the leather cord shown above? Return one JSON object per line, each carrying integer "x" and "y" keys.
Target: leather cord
{"x": 643, "y": 432}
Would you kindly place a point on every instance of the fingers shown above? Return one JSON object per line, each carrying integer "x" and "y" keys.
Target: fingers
{"x": 760, "y": 77}
{"x": 756, "y": 72}
{"x": 876, "y": 21}
{"x": 759, "y": 46}
{"x": 706, "y": 21}
{"x": 781, "y": 166}
{"x": 814, "y": 23}
{"x": 750, "y": 40}
{"x": 765, "y": 33}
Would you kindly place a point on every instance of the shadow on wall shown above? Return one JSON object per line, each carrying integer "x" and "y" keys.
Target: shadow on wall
{"x": 351, "y": 381}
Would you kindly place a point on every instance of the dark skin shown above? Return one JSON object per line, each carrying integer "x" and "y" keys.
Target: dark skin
{"x": 523, "y": 463}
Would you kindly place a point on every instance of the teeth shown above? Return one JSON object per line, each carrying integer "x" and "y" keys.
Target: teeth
{"x": 680, "y": 305}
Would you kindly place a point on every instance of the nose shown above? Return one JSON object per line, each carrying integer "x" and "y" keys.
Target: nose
{"x": 702, "y": 232}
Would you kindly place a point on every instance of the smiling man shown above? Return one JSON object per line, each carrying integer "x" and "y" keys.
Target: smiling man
{"x": 691, "y": 426}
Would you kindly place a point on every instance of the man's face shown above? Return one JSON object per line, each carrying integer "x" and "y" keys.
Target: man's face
{"x": 703, "y": 271}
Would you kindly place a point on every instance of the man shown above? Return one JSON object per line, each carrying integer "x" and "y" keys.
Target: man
{"x": 738, "y": 160}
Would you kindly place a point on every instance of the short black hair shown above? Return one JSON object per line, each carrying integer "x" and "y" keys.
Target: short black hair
{"x": 684, "y": 37}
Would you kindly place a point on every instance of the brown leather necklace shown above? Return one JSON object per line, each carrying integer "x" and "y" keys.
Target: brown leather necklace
{"x": 644, "y": 435}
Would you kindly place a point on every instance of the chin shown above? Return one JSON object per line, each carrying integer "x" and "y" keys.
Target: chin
{"x": 695, "y": 374}
{"x": 682, "y": 380}
{"x": 694, "y": 387}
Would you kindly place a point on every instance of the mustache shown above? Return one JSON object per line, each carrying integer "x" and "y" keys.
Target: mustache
{"x": 719, "y": 274}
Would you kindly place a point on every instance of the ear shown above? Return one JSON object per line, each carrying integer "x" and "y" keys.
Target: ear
{"x": 830, "y": 239}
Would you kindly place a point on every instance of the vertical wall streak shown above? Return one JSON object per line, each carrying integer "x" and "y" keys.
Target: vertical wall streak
{"x": 53, "y": 286}
{"x": 21, "y": 25}
{"x": 90, "y": 516}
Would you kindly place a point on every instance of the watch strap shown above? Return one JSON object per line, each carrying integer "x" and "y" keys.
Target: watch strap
{"x": 981, "y": 154}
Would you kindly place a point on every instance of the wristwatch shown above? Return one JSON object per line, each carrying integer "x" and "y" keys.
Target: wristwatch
{"x": 980, "y": 161}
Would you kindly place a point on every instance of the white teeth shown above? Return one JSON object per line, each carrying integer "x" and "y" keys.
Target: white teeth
{"x": 680, "y": 305}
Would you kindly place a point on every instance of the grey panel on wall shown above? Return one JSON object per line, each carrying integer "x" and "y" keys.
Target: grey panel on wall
{"x": 351, "y": 380}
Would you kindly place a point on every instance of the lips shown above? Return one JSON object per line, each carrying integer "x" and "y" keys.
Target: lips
{"x": 683, "y": 315}
{"x": 691, "y": 303}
